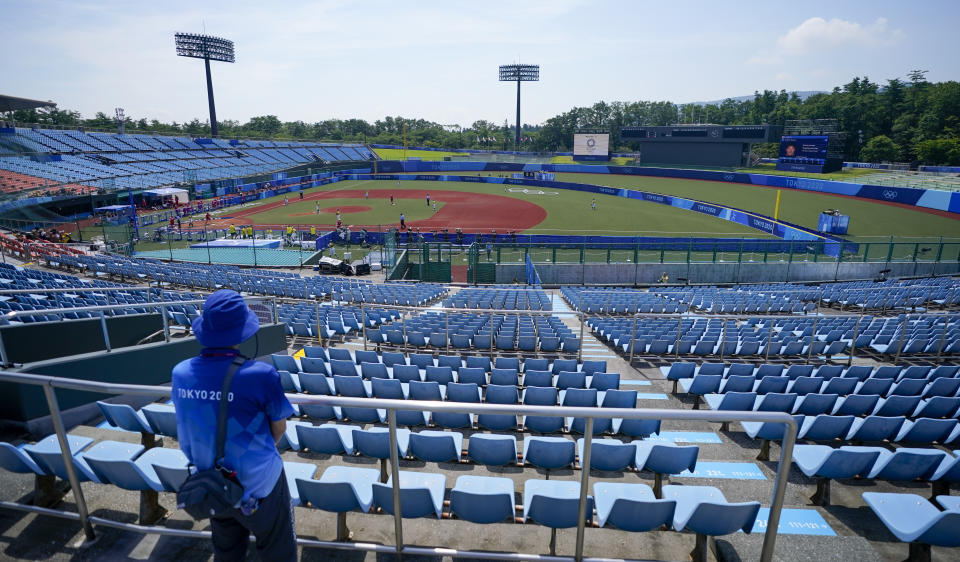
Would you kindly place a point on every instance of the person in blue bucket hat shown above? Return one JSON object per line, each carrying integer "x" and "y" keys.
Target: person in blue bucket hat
{"x": 256, "y": 419}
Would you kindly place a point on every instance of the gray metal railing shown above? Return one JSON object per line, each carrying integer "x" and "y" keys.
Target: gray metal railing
{"x": 772, "y": 318}
{"x": 630, "y": 354}
{"x": 392, "y": 406}
{"x": 772, "y": 295}
{"x": 158, "y": 306}
{"x": 490, "y": 312}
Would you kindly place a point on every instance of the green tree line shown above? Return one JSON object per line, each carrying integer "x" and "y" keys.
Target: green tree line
{"x": 902, "y": 120}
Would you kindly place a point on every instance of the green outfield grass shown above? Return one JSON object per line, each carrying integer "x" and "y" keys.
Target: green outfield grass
{"x": 567, "y": 211}
{"x": 799, "y": 207}
{"x": 846, "y": 174}
{"x": 398, "y": 154}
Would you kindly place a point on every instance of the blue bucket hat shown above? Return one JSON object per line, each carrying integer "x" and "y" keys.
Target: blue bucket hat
{"x": 226, "y": 320}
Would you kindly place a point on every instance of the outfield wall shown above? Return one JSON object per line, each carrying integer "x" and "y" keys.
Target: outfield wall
{"x": 831, "y": 245}
{"x": 925, "y": 198}
{"x": 718, "y": 273}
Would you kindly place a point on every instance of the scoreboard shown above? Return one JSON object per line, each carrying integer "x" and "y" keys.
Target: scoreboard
{"x": 702, "y": 133}
{"x": 591, "y": 146}
{"x": 698, "y": 145}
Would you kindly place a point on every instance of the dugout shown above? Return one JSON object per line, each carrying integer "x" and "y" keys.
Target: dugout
{"x": 166, "y": 196}
{"x": 698, "y": 145}
{"x": 114, "y": 214}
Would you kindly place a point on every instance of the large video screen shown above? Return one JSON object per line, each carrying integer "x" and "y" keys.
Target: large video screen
{"x": 814, "y": 147}
{"x": 591, "y": 146}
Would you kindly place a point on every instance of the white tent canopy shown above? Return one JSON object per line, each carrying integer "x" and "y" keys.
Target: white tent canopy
{"x": 181, "y": 195}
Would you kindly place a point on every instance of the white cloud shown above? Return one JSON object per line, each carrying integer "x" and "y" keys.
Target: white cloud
{"x": 818, "y": 34}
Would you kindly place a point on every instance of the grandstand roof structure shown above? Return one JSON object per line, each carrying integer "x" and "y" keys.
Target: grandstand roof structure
{"x": 12, "y": 103}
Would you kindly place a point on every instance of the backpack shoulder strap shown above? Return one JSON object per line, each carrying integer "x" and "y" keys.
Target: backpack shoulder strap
{"x": 224, "y": 406}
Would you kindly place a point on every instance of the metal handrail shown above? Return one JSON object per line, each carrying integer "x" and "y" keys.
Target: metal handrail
{"x": 76, "y": 290}
{"x": 392, "y": 406}
{"x": 18, "y": 313}
{"x": 771, "y": 295}
{"x": 162, "y": 305}
{"x": 673, "y": 316}
{"x": 519, "y": 311}
{"x": 490, "y": 312}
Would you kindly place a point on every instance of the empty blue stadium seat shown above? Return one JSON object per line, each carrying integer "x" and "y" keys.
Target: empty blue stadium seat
{"x": 482, "y": 499}
{"x": 314, "y": 365}
{"x": 328, "y": 439}
{"x": 538, "y": 378}
{"x": 504, "y": 376}
{"x": 138, "y": 474}
{"x": 631, "y": 507}
{"x": 926, "y": 430}
{"x": 826, "y": 463}
{"x": 664, "y": 458}
{"x": 375, "y": 442}
{"x": 904, "y": 463}
{"x": 473, "y": 375}
{"x": 571, "y": 379}
{"x": 452, "y": 361}
{"x": 608, "y": 454}
{"x": 162, "y": 419}
{"x": 541, "y": 396}
{"x": 492, "y": 449}
{"x": 554, "y": 503}
{"x": 499, "y": 394}
{"x": 343, "y": 367}
{"x": 436, "y": 446}
{"x": 340, "y": 489}
{"x": 421, "y": 494}
{"x": 912, "y": 519}
{"x": 440, "y": 375}
{"x": 705, "y": 511}
{"x": 548, "y": 452}
{"x": 124, "y": 417}
{"x": 285, "y": 363}
{"x": 406, "y": 373}
{"x": 372, "y": 371}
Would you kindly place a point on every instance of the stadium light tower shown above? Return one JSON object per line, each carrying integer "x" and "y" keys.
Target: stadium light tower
{"x": 207, "y": 48}
{"x": 519, "y": 73}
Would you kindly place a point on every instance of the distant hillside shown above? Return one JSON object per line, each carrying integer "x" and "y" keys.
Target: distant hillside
{"x": 802, "y": 95}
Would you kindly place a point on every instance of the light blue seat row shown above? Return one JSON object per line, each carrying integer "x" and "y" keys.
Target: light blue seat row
{"x": 489, "y": 449}
{"x": 825, "y": 463}
{"x": 159, "y": 419}
{"x": 914, "y": 520}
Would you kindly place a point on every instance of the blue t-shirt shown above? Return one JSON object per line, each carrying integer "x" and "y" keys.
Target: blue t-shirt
{"x": 256, "y": 398}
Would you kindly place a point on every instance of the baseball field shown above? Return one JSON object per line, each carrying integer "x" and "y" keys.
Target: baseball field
{"x": 482, "y": 207}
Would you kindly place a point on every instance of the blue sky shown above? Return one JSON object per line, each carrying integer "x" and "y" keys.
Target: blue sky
{"x": 438, "y": 59}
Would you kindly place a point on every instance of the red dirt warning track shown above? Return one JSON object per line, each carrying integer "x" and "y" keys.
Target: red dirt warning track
{"x": 472, "y": 212}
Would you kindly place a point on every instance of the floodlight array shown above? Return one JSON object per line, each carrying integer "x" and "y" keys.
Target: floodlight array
{"x": 519, "y": 73}
{"x": 204, "y": 47}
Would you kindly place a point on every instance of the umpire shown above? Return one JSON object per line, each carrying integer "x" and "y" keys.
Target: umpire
{"x": 256, "y": 420}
